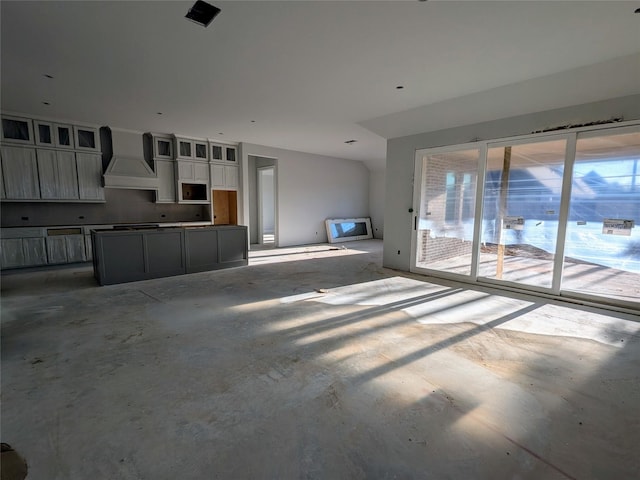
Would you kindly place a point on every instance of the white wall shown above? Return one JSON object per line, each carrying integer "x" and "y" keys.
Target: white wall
{"x": 401, "y": 157}
{"x": 310, "y": 189}
{"x": 376, "y": 201}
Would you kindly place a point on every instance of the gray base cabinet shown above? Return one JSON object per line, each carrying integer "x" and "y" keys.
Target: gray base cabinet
{"x": 65, "y": 249}
{"x": 130, "y": 255}
{"x": 22, "y": 252}
{"x": 22, "y": 247}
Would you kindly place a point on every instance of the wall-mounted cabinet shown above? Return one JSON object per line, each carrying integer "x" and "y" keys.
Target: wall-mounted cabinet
{"x": 224, "y": 177}
{"x": 190, "y": 149}
{"x": 162, "y": 147}
{"x": 54, "y": 135}
{"x": 20, "y": 172}
{"x": 193, "y": 171}
{"x": 165, "y": 171}
{"x": 192, "y": 183}
{"x": 57, "y": 173}
{"x": 90, "y": 177}
{"x": 86, "y": 138}
{"x": 223, "y": 153}
{"x": 17, "y": 130}
{"x": 2, "y": 194}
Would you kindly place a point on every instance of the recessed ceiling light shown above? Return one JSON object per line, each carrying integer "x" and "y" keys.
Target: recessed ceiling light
{"x": 350, "y": 142}
{"x": 46, "y": 103}
{"x": 47, "y": 75}
{"x": 202, "y": 13}
{"x": 159, "y": 113}
{"x": 253, "y": 121}
{"x": 637, "y": 10}
{"x": 220, "y": 133}
{"x": 399, "y": 87}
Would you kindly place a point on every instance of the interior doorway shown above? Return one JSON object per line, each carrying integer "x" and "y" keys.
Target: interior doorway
{"x": 266, "y": 189}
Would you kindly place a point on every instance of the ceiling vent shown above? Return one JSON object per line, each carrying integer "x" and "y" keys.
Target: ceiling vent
{"x": 202, "y": 13}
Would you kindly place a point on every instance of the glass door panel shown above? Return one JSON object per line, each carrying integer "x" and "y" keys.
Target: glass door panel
{"x": 522, "y": 193}
{"x": 445, "y": 221}
{"x": 602, "y": 247}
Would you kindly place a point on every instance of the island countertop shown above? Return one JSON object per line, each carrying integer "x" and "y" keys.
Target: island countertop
{"x": 141, "y": 252}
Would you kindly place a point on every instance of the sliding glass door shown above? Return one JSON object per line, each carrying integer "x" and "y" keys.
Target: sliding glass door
{"x": 446, "y": 211}
{"x": 555, "y": 213}
{"x": 522, "y": 190}
{"x": 602, "y": 248}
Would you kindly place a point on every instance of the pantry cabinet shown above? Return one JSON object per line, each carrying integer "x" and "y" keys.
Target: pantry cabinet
{"x": 224, "y": 177}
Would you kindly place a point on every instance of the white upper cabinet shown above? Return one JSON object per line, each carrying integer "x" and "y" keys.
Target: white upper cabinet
{"x": 184, "y": 148}
{"x": 63, "y": 135}
{"x": 217, "y": 153}
{"x": 17, "y": 130}
{"x": 166, "y": 192}
{"x": 86, "y": 138}
{"x": 44, "y": 133}
{"x": 20, "y": 172}
{"x": 57, "y": 174}
{"x": 190, "y": 149}
{"x": 162, "y": 148}
{"x": 55, "y": 135}
{"x": 200, "y": 150}
{"x": 230, "y": 154}
{"x": 90, "y": 177}
{"x": 223, "y": 153}
{"x": 224, "y": 177}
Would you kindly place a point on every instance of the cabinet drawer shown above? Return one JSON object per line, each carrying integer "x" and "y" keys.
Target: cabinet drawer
{"x": 22, "y": 232}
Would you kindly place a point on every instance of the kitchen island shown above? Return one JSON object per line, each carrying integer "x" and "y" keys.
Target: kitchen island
{"x": 141, "y": 253}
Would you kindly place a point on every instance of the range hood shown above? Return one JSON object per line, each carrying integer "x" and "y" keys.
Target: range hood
{"x": 128, "y": 168}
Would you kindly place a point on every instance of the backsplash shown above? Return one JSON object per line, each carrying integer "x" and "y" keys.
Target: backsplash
{"x": 121, "y": 206}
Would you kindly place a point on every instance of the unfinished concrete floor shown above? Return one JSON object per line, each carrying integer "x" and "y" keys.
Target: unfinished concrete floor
{"x": 313, "y": 363}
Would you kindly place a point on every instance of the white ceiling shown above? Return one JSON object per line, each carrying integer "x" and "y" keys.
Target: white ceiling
{"x": 313, "y": 74}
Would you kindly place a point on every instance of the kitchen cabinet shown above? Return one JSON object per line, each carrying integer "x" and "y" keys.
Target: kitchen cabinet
{"x": 20, "y": 173}
{"x": 22, "y": 247}
{"x": 193, "y": 182}
{"x": 22, "y": 252}
{"x": 190, "y": 149}
{"x": 88, "y": 249}
{"x": 57, "y": 174}
{"x": 54, "y": 135}
{"x": 44, "y": 133}
{"x": 2, "y": 194}
{"x": 162, "y": 148}
{"x": 89, "y": 167}
{"x": 65, "y": 248}
{"x": 223, "y": 153}
{"x": 86, "y": 138}
{"x": 130, "y": 255}
{"x": 230, "y": 154}
{"x": 17, "y": 130}
{"x": 166, "y": 192}
{"x": 224, "y": 177}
